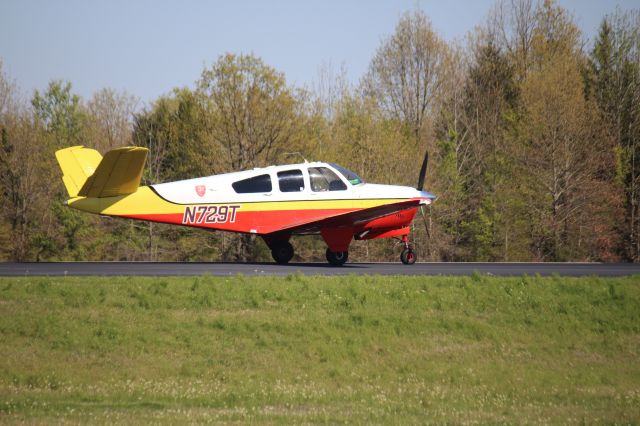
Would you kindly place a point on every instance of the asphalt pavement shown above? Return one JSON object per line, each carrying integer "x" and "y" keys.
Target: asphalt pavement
{"x": 225, "y": 269}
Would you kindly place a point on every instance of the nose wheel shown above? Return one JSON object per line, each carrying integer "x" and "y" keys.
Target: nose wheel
{"x": 408, "y": 256}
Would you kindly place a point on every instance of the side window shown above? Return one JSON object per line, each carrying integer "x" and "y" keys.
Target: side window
{"x": 291, "y": 181}
{"x": 254, "y": 184}
{"x": 323, "y": 179}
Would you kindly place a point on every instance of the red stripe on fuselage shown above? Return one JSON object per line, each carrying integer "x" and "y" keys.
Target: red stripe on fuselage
{"x": 261, "y": 222}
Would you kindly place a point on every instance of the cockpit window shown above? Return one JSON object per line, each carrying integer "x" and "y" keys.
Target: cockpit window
{"x": 261, "y": 183}
{"x": 353, "y": 178}
{"x": 323, "y": 179}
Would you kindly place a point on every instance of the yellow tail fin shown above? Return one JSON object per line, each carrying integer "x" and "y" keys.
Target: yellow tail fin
{"x": 118, "y": 173}
{"x": 77, "y": 164}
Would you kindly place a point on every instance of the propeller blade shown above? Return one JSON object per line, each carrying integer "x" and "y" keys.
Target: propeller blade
{"x": 423, "y": 171}
{"x": 424, "y": 218}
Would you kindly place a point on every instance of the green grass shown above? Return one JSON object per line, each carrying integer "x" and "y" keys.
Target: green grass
{"x": 320, "y": 349}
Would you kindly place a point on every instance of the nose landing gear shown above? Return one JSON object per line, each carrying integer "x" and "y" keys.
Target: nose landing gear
{"x": 408, "y": 256}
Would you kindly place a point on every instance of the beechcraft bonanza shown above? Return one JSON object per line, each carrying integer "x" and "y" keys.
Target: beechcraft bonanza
{"x": 274, "y": 202}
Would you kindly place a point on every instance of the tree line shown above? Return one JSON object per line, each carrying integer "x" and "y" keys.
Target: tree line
{"x": 533, "y": 138}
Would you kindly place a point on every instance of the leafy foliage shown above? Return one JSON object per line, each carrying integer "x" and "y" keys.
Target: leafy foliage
{"x": 534, "y": 143}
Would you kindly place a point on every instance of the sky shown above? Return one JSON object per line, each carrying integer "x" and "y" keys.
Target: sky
{"x": 150, "y": 47}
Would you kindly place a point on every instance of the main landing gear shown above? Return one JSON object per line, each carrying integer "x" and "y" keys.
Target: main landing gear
{"x": 408, "y": 256}
{"x": 282, "y": 252}
{"x": 337, "y": 258}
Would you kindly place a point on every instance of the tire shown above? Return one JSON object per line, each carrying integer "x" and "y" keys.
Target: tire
{"x": 282, "y": 252}
{"x": 338, "y": 258}
{"x": 408, "y": 257}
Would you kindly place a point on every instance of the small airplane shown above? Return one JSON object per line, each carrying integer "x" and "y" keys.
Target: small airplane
{"x": 273, "y": 202}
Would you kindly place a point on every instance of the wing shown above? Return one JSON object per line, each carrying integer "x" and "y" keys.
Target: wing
{"x": 350, "y": 219}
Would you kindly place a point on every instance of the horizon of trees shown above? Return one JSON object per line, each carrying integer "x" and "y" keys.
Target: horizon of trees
{"x": 533, "y": 140}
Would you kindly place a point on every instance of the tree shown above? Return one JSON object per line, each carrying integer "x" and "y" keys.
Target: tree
{"x": 472, "y": 154}
{"x": 25, "y": 174}
{"x": 491, "y": 97}
{"x": 563, "y": 148}
{"x": 511, "y": 25}
{"x": 406, "y": 74}
{"x": 60, "y": 112}
{"x": 251, "y": 113}
{"x": 109, "y": 118}
{"x": 613, "y": 80}
{"x": 173, "y": 130}
{"x": 7, "y": 92}
{"x": 329, "y": 89}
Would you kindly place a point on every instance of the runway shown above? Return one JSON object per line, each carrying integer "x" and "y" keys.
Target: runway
{"x": 226, "y": 269}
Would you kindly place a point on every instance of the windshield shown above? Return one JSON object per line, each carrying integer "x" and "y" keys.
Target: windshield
{"x": 353, "y": 178}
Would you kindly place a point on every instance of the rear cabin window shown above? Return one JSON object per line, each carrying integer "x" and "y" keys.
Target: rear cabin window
{"x": 323, "y": 179}
{"x": 291, "y": 181}
{"x": 252, "y": 185}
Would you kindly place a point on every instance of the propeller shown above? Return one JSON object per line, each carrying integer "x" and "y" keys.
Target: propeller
{"x": 423, "y": 171}
{"x": 424, "y": 218}
{"x": 420, "y": 187}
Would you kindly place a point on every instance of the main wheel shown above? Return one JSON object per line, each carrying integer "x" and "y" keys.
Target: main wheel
{"x": 337, "y": 258}
{"x": 408, "y": 256}
{"x": 282, "y": 252}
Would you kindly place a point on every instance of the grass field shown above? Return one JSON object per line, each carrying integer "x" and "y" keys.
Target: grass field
{"x": 317, "y": 349}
